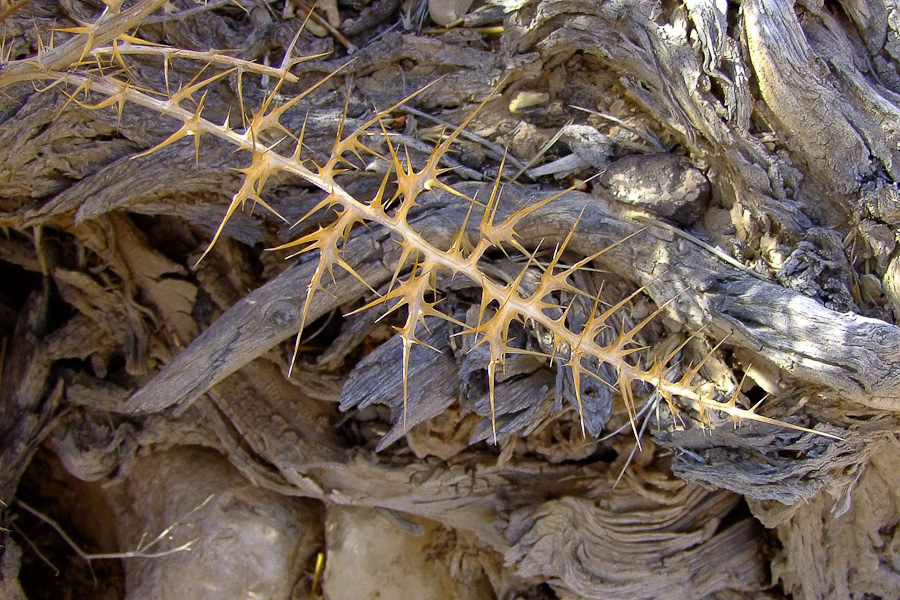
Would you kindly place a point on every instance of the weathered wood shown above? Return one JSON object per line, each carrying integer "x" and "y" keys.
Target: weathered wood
{"x": 27, "y": 397}
{"x": 841, "y": 542}
{"x": 27, "y": 404}
{"x": 788, "y": 110}
{"x": 255, "y": 325}
{"x": 10, "y": 563}
{"x": 595, "y": 552}
{"x": 814, "y": 115}
{"x": 503, "y": 506}
{"x": 108, "y": 27}
{"x": 430, "y": 390}
{"x": 855, "y": 355}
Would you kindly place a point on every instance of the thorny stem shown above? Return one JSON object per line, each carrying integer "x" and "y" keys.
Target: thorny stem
{"x": 12, "y": 9}
{"x": 105, "y": 29}
{"x": 510, "y": 302}
{"x": 211, "y": 57}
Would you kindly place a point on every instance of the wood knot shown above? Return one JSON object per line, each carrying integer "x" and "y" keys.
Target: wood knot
{"x": 283, "y": 314}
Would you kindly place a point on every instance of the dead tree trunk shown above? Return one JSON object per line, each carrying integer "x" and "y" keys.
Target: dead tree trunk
{"x": 597, "y": 299}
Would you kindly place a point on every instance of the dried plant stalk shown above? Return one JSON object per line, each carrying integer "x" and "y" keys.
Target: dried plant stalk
{"x": 413, "y": 285}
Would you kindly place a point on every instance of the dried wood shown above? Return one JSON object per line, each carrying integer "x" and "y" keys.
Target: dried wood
{"x": 853, "y": 354}
{"x": 28, "y": 397}
{"x": 790, "y": 112}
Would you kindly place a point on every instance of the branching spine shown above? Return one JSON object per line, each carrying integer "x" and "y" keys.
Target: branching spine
{"x": 508, "y": 305}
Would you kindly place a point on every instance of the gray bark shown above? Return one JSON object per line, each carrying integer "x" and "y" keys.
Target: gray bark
{"x": 747, "y": 154}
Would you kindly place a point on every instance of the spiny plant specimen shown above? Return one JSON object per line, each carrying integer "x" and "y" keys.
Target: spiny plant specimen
{"x": 100, "y": 79}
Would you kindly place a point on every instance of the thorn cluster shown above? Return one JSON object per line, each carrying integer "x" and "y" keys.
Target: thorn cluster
{"x": 414, "y": 282}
